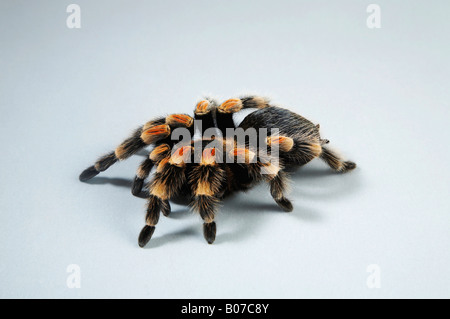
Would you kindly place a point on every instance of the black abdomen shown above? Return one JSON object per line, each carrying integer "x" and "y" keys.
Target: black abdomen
{"x": 289, "y": 124}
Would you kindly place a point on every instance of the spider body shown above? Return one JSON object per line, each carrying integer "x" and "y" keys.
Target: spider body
{"x": 217, "y": 164}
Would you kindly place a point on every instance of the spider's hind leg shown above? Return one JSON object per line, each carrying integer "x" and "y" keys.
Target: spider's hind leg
{"x": 278, "y": 182}
{"x": 335, "y": 161}
{"x": 292, "y": 151}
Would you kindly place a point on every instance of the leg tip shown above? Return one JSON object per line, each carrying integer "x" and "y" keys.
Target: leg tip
{"x": 145, "y": 235}
{"x": 165, "y": 208}
{"x": 348, "y": 166}
{"x": 285, "y": 204}
{"x": 88, "y": 173}
{"x": 209, "y": 232}
{"x": 137, "y": 186}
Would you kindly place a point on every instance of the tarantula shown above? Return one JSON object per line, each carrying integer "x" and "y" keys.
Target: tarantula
{"x": 211, "y": 167}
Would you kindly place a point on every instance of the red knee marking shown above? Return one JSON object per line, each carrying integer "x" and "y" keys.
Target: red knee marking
{"x": 181, "y": 155}
{"x": 208, "y": 156}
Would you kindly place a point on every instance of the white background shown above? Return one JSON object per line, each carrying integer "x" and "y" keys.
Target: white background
{"x": 381, "y": 96}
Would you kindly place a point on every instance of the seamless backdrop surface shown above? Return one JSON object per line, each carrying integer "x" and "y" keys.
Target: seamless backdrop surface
{"x": 381, "y": 96}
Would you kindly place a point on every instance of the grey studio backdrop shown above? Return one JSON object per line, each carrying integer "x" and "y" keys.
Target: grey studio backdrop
{"x": 69, "y": 95}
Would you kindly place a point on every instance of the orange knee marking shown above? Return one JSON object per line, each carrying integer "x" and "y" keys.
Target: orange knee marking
{"x": 285, "y": 143}
{"x": 244, "y": 153}
{"x": 231, "y": 106}
{"x": 316, "y": 149}
{"x": 202, "y": 107}
{"x": 183, "y": 119}
{"x": 162, "y": 164}
{"x": 204, "y": 188}
{"x": 155, "y": 133}
{"x": 158, "y": 130}
{"x": 159, "y": 152}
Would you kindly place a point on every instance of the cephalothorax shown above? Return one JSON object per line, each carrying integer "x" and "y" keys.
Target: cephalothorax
{"x": 209, "y": 168}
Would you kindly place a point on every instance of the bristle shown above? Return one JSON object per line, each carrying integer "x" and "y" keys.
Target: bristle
{"x": 105, "y": 162}
{"x": 335, "y": 161}
{"x": 153, "y": 209}
{"x": 160, "y": 152}
{"x": 205, "y": 206}
{"x": 277, "y": 187}
{"x": 206, "y": 180}
{"x": 130, "y": 146}
{"x": 204, "y": 188}
{"x": 332, "y": 159}
{"x": 162, "y": 164}
{"x": 307, "y": 151}
{"x": 316, "y": 149}
{"x": 149, "y": 124}
{"x": 165, "y": 207}
{"x": 258, "y": 102}
{"x": 159, "y": 189}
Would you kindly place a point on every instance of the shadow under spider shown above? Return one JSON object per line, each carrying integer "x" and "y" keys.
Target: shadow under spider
{"x": 243, "y": 206}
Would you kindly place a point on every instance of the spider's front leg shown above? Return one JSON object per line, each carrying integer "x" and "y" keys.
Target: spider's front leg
{"x": 151, "y": 219}
{"x": 152, "y": 132}
{"x": 206, "y": 206}
{"x": 207, "y": 183}
{"x": 159, "y": 152}
{"x": 143, "y": 136}
{"x": 167, "y": 182}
